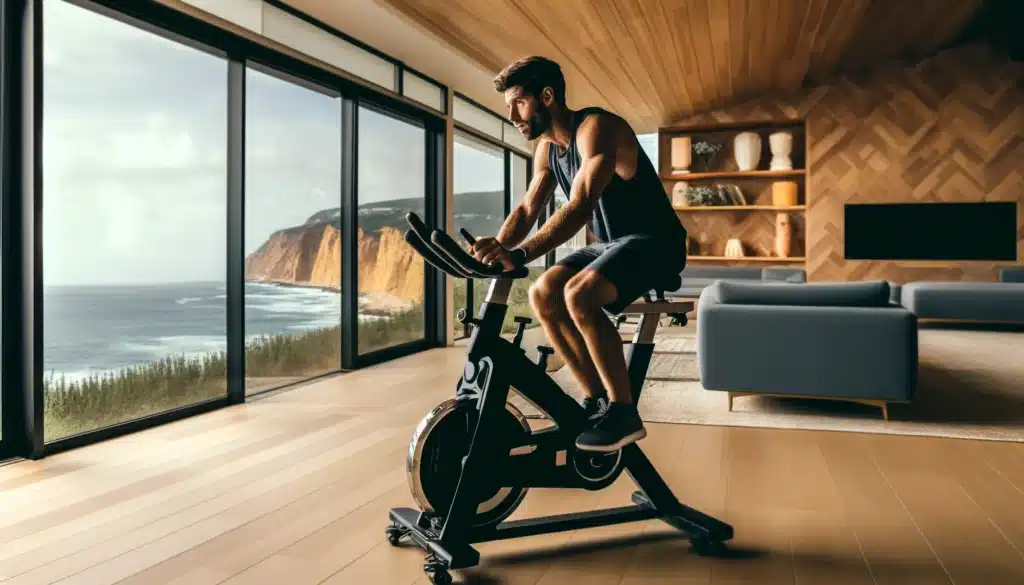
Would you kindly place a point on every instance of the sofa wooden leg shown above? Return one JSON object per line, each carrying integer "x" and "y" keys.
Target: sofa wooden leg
{"x": 885, "y": 411}
{"x": 731, "y": 396}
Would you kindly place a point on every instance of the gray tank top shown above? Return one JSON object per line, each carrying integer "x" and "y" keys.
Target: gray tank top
{"x": 637, "y": 207}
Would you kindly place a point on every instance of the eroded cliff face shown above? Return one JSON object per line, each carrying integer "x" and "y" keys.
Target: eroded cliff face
{"x": 310, "y": 255}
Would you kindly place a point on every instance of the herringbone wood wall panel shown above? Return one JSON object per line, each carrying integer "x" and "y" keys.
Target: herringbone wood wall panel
{"x": 947, "y": 129}
{"x": 709, "y": 232}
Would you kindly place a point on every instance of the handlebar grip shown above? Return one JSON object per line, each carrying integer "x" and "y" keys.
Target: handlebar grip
{"x": 423, "y": 245}
{"x": 469, "y": 237}
{"x": 463, "y": 259}
{"x": 442, "y": 252}
{"x": 431, "y": 256}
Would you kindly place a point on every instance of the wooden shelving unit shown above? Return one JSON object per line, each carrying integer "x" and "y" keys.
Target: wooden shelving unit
{"x": 710, "y": 227}
{"x": 780, "y": 259}
{"x": 782, "y": 208}
{"x": 734, "y": 175}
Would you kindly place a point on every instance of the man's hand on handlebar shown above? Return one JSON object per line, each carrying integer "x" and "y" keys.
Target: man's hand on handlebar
{"x": 489, "y": 251}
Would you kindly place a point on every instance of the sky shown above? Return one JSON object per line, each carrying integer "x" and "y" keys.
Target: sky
{"x": 135, "y": 155}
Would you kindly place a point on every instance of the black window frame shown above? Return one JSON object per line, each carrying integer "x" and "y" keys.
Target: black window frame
{"x": 21, "y": 206}
{"x": 508, "y": 152}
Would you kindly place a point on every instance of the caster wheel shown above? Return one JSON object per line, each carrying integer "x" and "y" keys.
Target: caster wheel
{"x": 437, "y": 574}
{"x": 708, "y": 548}
{"x": 394, "y": 535}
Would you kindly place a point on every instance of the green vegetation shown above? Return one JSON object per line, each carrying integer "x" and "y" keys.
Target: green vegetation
{"x": 518, "y": 299}
{"x": 78, "y": 406}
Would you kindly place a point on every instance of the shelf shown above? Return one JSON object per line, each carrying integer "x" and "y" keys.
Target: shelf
{"x": 740, "y": 208}
{"x": 790, "y": 259}
{"x": 734, "y": 175}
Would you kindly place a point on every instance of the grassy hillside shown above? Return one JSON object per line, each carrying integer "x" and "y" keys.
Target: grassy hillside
{"x": 478, "y": 212}
{"x": 77, "y": 406}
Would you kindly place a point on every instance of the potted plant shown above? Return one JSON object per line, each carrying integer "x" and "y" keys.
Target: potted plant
{"x": 705, "y": 152}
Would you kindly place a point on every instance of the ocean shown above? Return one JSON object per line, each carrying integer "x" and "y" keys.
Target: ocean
{"x": 95, "y": 329}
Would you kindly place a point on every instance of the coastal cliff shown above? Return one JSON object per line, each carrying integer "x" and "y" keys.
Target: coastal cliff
{"x": 310, "y": 255}
{"x": 390, "y": 271}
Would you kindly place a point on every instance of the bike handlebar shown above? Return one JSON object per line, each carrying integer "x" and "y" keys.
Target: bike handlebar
{"x": 441, "y": 251}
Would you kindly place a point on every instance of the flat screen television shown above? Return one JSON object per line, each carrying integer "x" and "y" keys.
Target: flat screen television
{"x": 931, "y": 231}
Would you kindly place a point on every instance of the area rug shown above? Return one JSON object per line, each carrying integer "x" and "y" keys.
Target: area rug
{"x": 964, "y": 392}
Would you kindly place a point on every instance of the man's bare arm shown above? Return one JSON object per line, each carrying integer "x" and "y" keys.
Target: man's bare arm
{"x": 524, "y": 214}
{"x": 597, "y": 144}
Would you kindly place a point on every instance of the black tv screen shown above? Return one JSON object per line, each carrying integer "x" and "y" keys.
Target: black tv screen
{"x": 931, "y": 231}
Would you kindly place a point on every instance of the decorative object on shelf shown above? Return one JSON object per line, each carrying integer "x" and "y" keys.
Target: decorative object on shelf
{"x": 781, "y": 145}
{"x": 679, "y": 198}
{"x": 783, "y": 235}
{"x": 733, "y": 248}
{"x": 784, "y": 193}
{"x": 701, "y": 195}
{"x": 746, "y": 148}
{"x": 705, "y": 153}
{"x": 730, "y": 194}
{"x": 681, "y": 150}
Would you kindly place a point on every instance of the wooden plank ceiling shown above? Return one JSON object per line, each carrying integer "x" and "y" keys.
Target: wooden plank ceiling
{"x": 656, "y": 61}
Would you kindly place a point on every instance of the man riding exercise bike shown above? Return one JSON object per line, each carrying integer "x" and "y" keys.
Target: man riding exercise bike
{"x": 614, "y": 189}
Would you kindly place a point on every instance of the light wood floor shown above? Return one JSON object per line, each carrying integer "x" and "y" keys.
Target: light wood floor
{"x": 294, "y": 489}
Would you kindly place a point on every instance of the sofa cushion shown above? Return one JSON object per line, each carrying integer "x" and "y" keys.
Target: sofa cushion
{"x": 895, "y": 289}
{"x": 784, "y": 274}
{"x": 1011, "y": 274}
{"x": 966, "y": 301}
{"x": 686, "y": 292}
{"x": 821, "y": 294}
{"x": 713, "y": 273}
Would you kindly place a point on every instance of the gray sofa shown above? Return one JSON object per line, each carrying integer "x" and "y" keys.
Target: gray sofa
{"x": 836, "y": 340}
{"x": 987, "y": 302}
{"x": 697, "y": 278}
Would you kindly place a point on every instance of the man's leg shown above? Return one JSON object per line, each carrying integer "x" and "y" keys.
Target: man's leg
{"x": 613, "y": 281}
{"x": 586, "y": 295}
{"x": 547, "y": 298}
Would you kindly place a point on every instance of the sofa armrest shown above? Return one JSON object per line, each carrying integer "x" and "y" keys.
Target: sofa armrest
{"x": 840, "y": 352}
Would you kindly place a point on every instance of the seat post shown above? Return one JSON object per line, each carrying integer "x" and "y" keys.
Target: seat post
{"x": 499, "y": 290}
{"x": 645, "y": 330}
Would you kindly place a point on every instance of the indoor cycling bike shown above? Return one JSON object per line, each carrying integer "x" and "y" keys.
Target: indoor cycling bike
{"x": 473, "y": 457}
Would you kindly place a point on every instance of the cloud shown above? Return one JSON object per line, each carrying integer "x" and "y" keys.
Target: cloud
{"x": 135, "y": 154}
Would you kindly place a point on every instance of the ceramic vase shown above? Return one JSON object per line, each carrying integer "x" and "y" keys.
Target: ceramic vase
{"x": 681, "y": 155}
{"x": 784, "y": 193}
{"x": 782, "y": 145}
{"x": 783, "y": 235}
{"x": 679, "y": 194}
{"x": 746, "y": 148}
{"x": 733, "y": 248}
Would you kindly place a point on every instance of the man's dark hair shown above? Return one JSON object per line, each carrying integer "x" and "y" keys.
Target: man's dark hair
{"x": 533, "y": 74}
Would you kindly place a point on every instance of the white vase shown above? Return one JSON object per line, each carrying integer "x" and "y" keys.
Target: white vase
{"x": 746, "y": 148}
{"x": 733, "y": 248}
{"x": 781, "y": 144}
{"x": 679, "y": 194}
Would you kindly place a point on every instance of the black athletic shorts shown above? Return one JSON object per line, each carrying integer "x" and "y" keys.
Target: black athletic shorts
{"x": 634, "y": 264}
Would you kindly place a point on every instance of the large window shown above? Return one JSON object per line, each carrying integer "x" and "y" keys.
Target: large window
{"x": 292, "y": 230}
{"x": 134, "y": 172}
{"x": 519, "y": 182}
{"x": 391, "y": 182}
{"x": 479, "y": 193}
{"x": 578, "y": 240}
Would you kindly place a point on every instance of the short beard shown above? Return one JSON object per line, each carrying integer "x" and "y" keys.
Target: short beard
{"x": 539, "y": 123}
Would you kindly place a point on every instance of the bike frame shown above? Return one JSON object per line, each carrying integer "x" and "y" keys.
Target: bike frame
{"x": 494, "y": 365}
